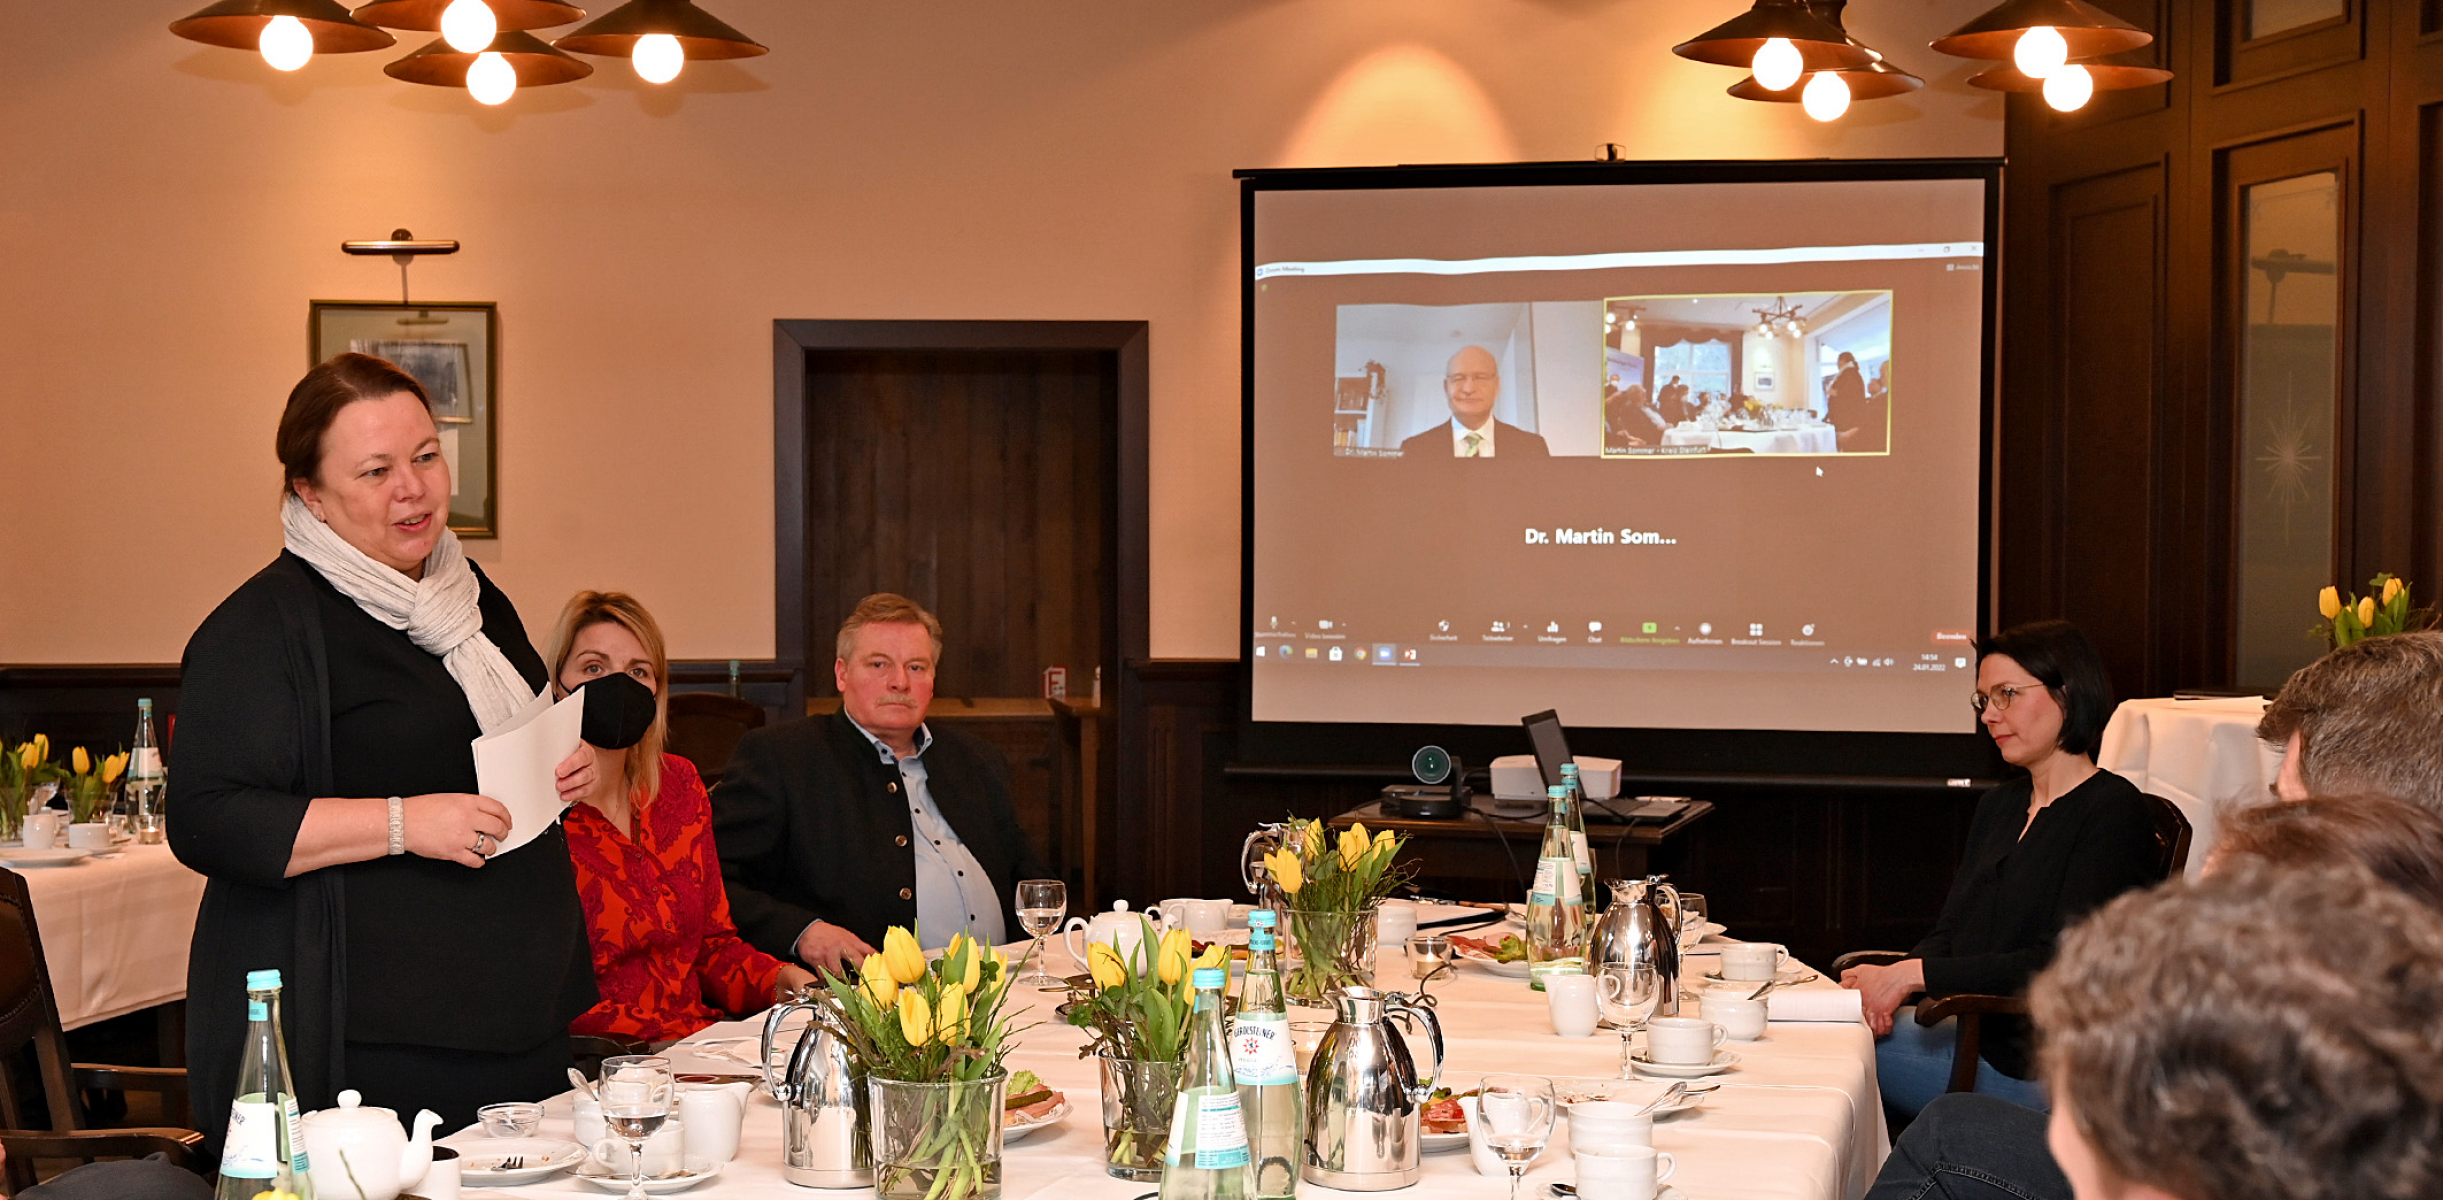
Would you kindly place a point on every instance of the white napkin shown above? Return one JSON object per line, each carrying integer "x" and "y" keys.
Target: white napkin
{"x": 1814, "y": 1004}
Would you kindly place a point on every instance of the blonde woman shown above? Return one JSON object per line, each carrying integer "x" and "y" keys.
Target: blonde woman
{"x": 667, "y": 957}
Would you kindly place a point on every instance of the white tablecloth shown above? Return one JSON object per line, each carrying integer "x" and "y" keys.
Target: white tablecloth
{"x": 115, "y": 931}
{"x": 1798, "y": 1119}
{"x": 1806, "y": 439}
{"x": 2202, "y": 755}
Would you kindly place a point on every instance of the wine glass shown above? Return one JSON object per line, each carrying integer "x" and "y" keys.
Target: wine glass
{"x": 1628, "y": 994}
{"x": 1518, "y": 1112}
{"x": 637, "y": 1094}
{"x": 1041, "y": 905}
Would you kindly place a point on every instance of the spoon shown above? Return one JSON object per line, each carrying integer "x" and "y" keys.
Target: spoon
{"x": 583, "y": 1084}
{"x": 1669, "y": 1094}
{"x": 1769, "y": 985}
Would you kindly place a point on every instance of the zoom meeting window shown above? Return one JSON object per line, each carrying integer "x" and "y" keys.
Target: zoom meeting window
{"x": 1696, "y": 455}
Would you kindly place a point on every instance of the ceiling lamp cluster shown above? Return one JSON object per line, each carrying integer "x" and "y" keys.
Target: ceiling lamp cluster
{"x": 1798, "y": 52}
{"x": 1781, "y": 319}
{"x": 485, "y": 46}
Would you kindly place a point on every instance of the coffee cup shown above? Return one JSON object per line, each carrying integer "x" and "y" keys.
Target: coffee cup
{"x": 1682, "y": 1041}
{"x": 1571, "y": 1000}
{"x": 1758, "y": 961}
{"x": 1395, "y": 922}
{"x": 585, "y": 1114}
{"x": 1739, "y": 1017}
{"x": 665, "y": 1151}
{"x": 441, "y": 1180}
{"x": 1608, "y": 1126}
{"x": 89, "y": 835}
{"x": 42, "y": 829}
{"x": 1203, "y": 919}
{"x": 1635, "y": 1173}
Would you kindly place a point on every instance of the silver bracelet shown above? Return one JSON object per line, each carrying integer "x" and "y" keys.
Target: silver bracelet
{"x": 398, "y": 826}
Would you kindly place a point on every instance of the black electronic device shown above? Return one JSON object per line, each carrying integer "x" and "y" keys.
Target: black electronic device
{"x": 1551, "y": 746}
{"x": 1433, "y": 766}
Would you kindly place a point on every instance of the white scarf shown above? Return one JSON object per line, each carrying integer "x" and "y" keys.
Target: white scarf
{"x": 439, "y": 612}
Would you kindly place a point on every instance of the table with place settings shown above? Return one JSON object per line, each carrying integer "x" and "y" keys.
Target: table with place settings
{"x": 1801, "y": 439}
{"x": 115, "y": 930}
{"x": 1796, "y": 1119}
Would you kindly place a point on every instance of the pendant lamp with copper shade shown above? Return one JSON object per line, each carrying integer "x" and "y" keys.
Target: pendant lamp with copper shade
{"x": 658, "y": 36}
{"x": 515, "y": 59}
{"x": 424, "y": 16}
{"x": 287, "y": 32}
{"x": 1877, "y": 80}
{"x": 1777, "y": 38}
{"x": 2048, "y": 47}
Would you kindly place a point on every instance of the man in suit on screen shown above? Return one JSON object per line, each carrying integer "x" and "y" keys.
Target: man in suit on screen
{"x": 1472, "y": 382}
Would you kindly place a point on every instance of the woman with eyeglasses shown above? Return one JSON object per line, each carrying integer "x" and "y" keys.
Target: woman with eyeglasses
{"x": 2043, "y": 849}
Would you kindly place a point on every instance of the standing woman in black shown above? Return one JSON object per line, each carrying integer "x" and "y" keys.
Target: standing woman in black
{"x": 325, "y": 789}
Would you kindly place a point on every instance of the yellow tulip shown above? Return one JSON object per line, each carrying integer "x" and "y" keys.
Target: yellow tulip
{"x": 42, "y": 748}
{"x": 2392, "y": 587}
{"x": 82, "y": 761}
{"x": 1215, "y": 955}
{"x": 875, "y": 977}
{"x": 1000, "y": 960}
{"x": 1286, "y": 871}
{"x": 1353, "y": 846}
{"x": 915, "y": 1017}
{"x": 1171, "y": 959}
{"x": 1104, "y": 964}
{"x": 26, "y": 755}
{"x": 1383, "y": 838}
{"x": 971, "y": 958}
{"x": 2366, "y": 615}
{"x": 113, "y": 767}
{"x": 906, "y": 958}
{"x": 2328, "y": 602}
{"x": 950, "y": 1014}
{"x": 1310, "y": 841}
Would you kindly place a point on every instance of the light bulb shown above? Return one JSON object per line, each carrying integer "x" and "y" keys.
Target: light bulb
{"x": 658, "y": 57}
{"x": 491, "y": 80}
{"x": 1777, "y": 64}
{"x": 1630, "y": 324}
{"x": 468, "y": 26}
{"x": 2069, "y": 88}
{"x": 2040, "y": 52}
{"x": 1826, "y": 97}
{"x": 286, "y": 43}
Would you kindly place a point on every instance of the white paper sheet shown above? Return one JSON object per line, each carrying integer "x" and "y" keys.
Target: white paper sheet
{"x": 516, "y": 765}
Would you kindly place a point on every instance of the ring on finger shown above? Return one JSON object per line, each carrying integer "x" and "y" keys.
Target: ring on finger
{"x": 480, "y": 839}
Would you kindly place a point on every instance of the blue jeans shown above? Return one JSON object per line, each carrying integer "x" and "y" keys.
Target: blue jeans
{"x": 1913, "y": 1062}
{"x": 1971, "y": 1147}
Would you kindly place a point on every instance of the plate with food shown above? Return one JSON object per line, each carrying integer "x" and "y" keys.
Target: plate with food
{"x": 1030, "y": 1106}
{"x": 1506, "y": 958}
{"x": 1444, "y": 1121}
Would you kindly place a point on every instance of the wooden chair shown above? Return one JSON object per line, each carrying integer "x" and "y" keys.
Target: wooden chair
{"x": 705, "y": 728}
{"x": 2172, "y": 834}
{"x": 29, "y": 1016}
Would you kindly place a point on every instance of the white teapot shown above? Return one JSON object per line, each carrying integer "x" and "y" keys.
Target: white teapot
{"x": 360, "y": 1153}
{"x": 1119, "y": 928}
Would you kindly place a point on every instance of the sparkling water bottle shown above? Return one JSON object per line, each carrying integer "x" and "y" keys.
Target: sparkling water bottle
{"x": 147, "y": 782}
{"x": 265, "y": 1150}
{"x": 1207, "y": 1158}
{"x": 1577, "y": 834}
{"x": 1556, "y": 901}
{"x": 1264, "y": 1065}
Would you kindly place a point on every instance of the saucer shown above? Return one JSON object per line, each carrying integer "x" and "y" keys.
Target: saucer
{"x": 698, "y": 1170}
{"x": 1723, "y": 1060}
{"x": 1569, "y": 1191}
{"x": 479, "y": 1159}
{"x": 1438, "y": 1143}
{"x": 1626, "y": 1091}
{"x": 1785, "y": 977}
{"x": 17, "y": 856}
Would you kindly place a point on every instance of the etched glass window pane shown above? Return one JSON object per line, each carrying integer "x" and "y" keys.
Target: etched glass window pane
{"x": 2290, "y": 307}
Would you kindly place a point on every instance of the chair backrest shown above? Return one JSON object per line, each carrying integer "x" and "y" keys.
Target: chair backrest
{"x": 2172, "y": 834}
{"x": 29, "y": 1014}
{"x": 705, "y": 728}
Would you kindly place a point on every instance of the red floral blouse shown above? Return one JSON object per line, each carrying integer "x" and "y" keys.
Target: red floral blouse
{"x": 667, "y": 957}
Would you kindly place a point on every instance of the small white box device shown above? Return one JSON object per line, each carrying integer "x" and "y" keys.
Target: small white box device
{"x": 1517, "y": 777}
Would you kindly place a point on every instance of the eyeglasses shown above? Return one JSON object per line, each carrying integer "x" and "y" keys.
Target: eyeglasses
{"x": 2001, "y": 698}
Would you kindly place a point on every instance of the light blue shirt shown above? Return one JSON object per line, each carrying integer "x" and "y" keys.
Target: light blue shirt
{"x": 952, "y": 891}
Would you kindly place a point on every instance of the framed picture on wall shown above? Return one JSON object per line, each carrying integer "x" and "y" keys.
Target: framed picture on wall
{"x": 452, "y": 348}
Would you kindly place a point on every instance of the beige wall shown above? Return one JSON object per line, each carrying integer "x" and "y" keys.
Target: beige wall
{"x": 167, "y": 209}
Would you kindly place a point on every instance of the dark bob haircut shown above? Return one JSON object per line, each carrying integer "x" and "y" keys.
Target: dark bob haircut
{"x": 316, "y": 400}
{"x": 2065, "y": 662}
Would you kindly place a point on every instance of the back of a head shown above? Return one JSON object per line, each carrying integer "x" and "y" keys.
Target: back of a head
{"x": 2369, "y": 718}
{"x": 2398, "y": 842}
{"x": 2261, "y": 1034}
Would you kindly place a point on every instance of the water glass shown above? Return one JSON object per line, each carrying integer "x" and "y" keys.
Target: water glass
{"x": 638, "y": 1092}
{"x": 1041, "y": 905}
{"x": 1518, "y": 1112}
{"x": 1629, "y": 993}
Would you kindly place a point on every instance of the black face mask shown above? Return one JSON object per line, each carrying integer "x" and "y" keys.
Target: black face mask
{"x": 619, "y": 711}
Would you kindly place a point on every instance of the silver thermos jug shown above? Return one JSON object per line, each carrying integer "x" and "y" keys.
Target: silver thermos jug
{"x": 1364, "y": 1096}
{"x": 822, "y": 1099}
{"x": 1642, "y": 925}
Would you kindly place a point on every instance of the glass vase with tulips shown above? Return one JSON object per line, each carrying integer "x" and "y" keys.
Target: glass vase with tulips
{"x": 89, "y": 784}
{"x": 2383, "y": 611}
{"x": 23, "y": 768}
{"x": 1136, "y": 1020}
{"x": 931, "y": 1037}
{"x": 1334, "y": 885}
